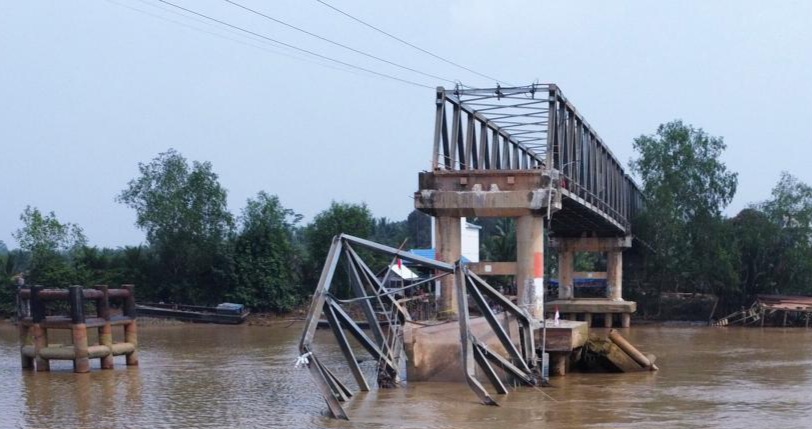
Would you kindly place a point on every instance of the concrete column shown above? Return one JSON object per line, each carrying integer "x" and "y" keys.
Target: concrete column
{"x": 530, "y": 264}
{"x": 614, "y": 275}
{"x": 626, "y": 320}
{"x": 566, "y": 268}
{"x": 558, "y": 363}
{"x": 448, "y": 235}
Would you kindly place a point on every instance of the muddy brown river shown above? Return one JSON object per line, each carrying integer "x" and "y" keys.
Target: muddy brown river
{"x": 205, "y": 376}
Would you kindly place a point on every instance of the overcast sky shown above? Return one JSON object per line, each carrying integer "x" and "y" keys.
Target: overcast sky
{"x": 90, "y": 88}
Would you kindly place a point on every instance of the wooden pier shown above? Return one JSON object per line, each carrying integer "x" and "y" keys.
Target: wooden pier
{"x": 772, "y": 307}
{"x": 35, "y": 350}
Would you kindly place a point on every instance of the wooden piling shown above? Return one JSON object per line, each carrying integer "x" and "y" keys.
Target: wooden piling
{"x": 130, "y": 329}
{"x": 76, "y": 299}
{"x": 106, "y": 330}
{"x": 26, "y": 340}
{"x": 40, "y": 334}
{"x": 35, "y": 352}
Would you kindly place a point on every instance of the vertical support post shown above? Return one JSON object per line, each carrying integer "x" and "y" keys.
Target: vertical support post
{"x": 40, "y": 333}
{"x": 614, "y": 274}
{"x": 131, "y": 329}
{"x": 607, "y": 320}
{"x": 25, "y": 340}
{"x": 448, "y": 233}
{"x": 566, "y": 267}
{"x": 106, "y": 330}
{"x": 588, "y": 319}
{"x": 76, "y": 299}
{"x": 626, "y": 320}
{"x": 530, "y": 264}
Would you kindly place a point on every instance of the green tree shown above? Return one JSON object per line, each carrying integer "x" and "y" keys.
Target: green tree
{"x": 51, "y": 244}
{"x": 790, "y": 213}
{"x": 758, "y": 241}
{"x": 266, "y": 262}
{"x": 352, "y": 219}
{"x": 498, "y": 239}
{"x": 390, "y": 233}
{"x": 686, "y": 187}
{"x": 184, "y": 212}
{"x": 418, "y": 226}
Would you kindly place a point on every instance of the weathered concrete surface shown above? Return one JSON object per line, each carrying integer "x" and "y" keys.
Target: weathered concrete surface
{"x": 530, "y": 264}
{"x": 487, "y": 268}
{"x": 433, "y": 352}
{"x": 503, "y": 193}
{"x": 566, "y": 337}
{"x": 449, "y": 249}
{"x": 597, "y": 305}
{"x": 591, "y": 244}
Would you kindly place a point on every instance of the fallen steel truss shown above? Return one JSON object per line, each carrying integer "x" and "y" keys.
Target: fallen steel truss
{"x": 386, "y": 317}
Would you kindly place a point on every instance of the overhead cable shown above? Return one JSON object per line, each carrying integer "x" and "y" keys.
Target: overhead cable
{"x": 325, "y": 39}
{"x": 409, "y": 44}
{"x": 288, "y": 45}
{"x": 261, "y": 44}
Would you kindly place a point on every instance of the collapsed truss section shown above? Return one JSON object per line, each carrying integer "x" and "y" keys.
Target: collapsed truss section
{"x": 386, "y": 317}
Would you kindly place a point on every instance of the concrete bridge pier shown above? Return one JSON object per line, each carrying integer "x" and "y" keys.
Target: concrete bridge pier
{"x": 448, "y": 234}
{"x": 530, "y": 264}
{"x": 613, "y": 303}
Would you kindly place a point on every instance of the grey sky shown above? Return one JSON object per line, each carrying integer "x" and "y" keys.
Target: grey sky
{"x": 89, "y": 88}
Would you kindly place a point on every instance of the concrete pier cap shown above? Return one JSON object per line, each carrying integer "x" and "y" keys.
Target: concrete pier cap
{"x": 501, "y": 193}
{"x": 526, "y": 195}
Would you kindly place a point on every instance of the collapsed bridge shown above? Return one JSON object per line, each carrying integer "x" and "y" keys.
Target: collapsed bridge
{"x": 520, "y": 152}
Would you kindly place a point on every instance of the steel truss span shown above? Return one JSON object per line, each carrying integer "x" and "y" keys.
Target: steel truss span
{"x": 535, "y": 127}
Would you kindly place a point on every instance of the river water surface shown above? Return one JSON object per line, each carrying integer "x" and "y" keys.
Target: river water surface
{"x": 207, "y": 376}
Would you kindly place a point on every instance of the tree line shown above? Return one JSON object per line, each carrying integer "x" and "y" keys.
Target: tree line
{"x": 198, "y": 252}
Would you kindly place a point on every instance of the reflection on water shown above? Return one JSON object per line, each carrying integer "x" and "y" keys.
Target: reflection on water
{"x": 202, "y": 376}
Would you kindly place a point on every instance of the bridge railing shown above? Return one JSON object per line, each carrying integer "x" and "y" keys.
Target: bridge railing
{"x": 474, "y": 131}
{"x": 532, "y": 127}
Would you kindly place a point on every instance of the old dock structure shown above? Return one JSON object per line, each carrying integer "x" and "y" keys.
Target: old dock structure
{"x": 36, "y": 351}
{"x": 776, "y": 308}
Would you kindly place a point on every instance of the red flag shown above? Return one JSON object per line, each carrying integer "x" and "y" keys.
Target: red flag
{"x": 400, "y": 264}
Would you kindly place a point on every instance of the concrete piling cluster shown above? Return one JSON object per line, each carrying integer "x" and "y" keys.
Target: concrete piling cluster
{"x": 36, "y": 351}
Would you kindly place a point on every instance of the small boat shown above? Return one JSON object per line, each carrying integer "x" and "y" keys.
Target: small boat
{"x": 225, "y": 313}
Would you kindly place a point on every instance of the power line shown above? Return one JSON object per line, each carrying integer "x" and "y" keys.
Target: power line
{"x": 288, "y": 45}
{"x": 410, "y": 44}
{"x": 260, "y": 44}
{"x": 357, "y": 51}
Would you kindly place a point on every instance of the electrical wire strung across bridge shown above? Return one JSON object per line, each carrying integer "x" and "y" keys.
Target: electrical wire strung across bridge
{"x": 190, "y": 13}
